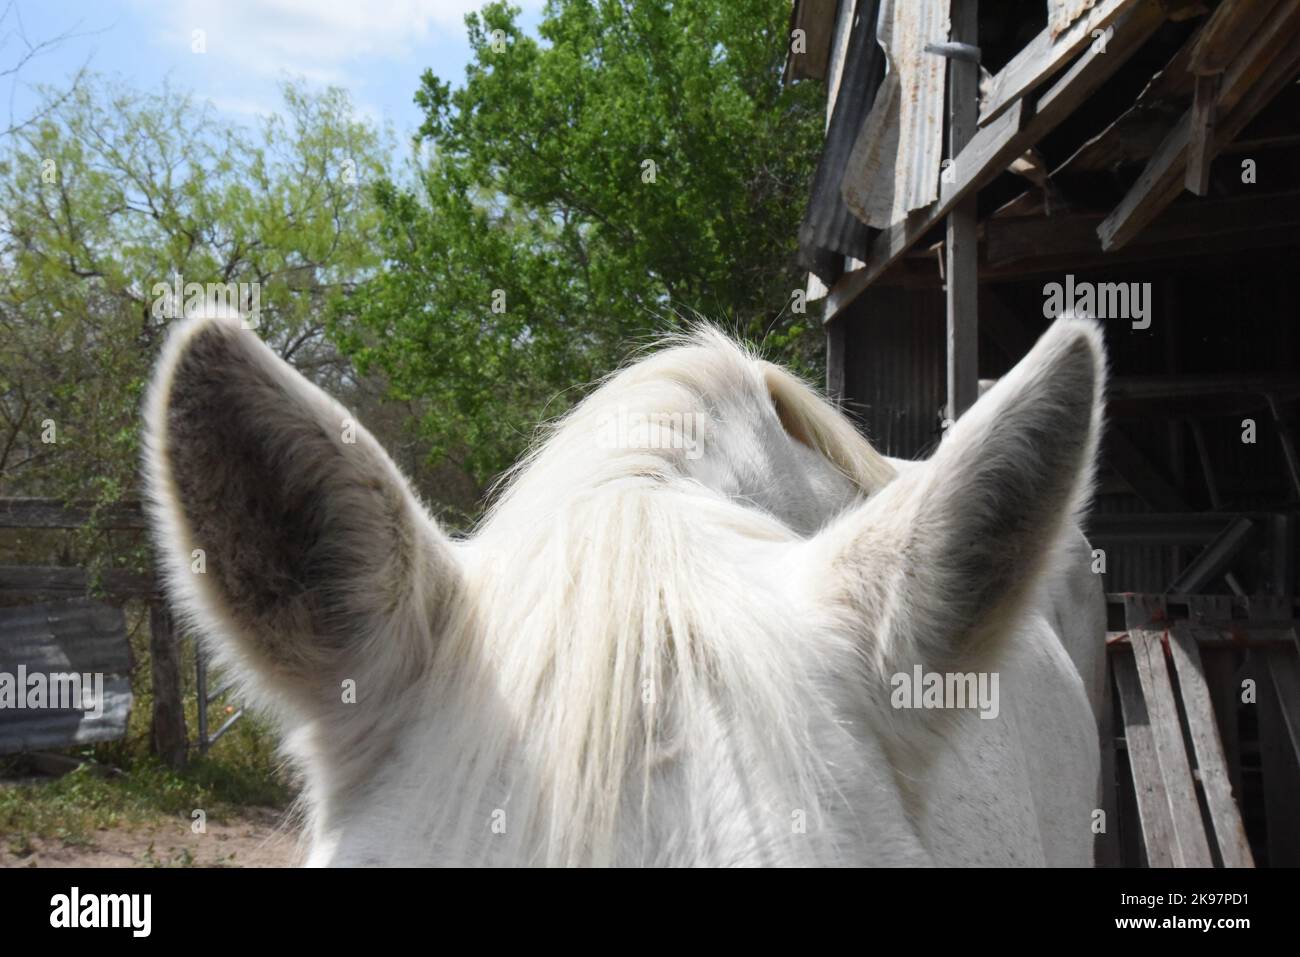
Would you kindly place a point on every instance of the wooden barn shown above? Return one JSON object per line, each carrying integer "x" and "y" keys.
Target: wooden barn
{"x": 989, "y": 166}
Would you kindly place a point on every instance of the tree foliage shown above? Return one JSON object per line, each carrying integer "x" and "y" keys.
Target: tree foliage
{"x": 111, "y": 192}
{"x": 639, "y": 163}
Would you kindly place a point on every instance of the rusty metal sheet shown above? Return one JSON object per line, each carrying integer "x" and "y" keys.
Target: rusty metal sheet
{"x": 894, "y": 166}
{"x": 42, "y": 648}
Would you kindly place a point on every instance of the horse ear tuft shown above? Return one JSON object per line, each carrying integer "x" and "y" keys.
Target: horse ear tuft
{"x": 283, "y": 528}
{"x": 941, "y": 558}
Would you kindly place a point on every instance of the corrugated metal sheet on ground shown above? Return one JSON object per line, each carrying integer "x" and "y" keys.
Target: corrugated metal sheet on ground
{"x": 829, "y": 231}
{"x": 894, "y": 166}
{"x": 81, "y": 636}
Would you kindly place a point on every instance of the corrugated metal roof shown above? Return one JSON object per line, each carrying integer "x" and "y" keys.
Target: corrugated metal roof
{"x": 895, "y": 373}
{"x": 82, "y": 637}
{"x": 894, "y": 166}
{"x": 829, "y": 231}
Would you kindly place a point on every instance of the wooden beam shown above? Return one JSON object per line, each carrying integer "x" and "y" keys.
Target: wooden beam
{"x": 1227, "y": 31}
{"x": 1024, "y": 240}
{"x": 990, "y": 149}
{"x": 1211, "y": 765}
{"x": 835, "y": 366}
{"x": 1200, "y": 148}
{"x": 47, "y": 580}
{"x": 998, "y": 144}
{"x": 1138, "y": 132}
{"x": 1215, "y": 558}
{"x": 962, "y": 238}
{"x": 1158, "y": 387}
{"x": 1269, "y": 62}
{"x": 55, "y": 513}
{"x": 1143, "y": 476}
{"x": 1045, "y": 55}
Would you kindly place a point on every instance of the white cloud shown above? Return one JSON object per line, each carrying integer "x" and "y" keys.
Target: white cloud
{"x": 317, "y": 39}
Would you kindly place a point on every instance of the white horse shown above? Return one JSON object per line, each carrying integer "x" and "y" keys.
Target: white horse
{"x": 686, "y": 632}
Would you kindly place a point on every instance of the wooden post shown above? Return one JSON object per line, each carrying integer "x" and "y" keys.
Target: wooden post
{"x": 167, "y": 737}
{"x": 962, "y": 266}
{"x": 835, "y": 360}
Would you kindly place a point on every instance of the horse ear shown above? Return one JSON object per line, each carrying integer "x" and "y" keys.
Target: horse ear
{"x": 939, "y": 559}
{"x": 284, "y": 531}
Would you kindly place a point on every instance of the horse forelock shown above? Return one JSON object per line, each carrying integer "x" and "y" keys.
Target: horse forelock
{"x": 617, "y": 604}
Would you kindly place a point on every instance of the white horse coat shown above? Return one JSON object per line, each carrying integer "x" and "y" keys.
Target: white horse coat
{"x": 677, "y": 637}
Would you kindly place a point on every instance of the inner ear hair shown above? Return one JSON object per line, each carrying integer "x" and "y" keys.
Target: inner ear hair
{"x": 312, "y": 538}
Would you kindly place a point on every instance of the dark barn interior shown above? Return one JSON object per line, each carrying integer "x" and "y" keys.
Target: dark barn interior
{"x": 1175, "y": 163}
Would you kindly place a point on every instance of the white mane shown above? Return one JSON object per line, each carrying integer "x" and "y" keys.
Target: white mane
{"x": 603, "y": 569}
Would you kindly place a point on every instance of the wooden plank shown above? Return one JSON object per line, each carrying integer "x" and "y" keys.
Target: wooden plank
{"x": 1286, "y": 679}
{"x": 1219, "y": 661}
{"x": 1279, "y": 762}
{"x": 835, "y": 363}
{"x": 1148, "y": 781}
{"x": 55, "y": 513}
{"x": 1200, "y": 148}
{"x": 1074, "y": 236}
{"x": 1190, "y": 848}
{"x": 1267, "y": 65}
{"x": 962, "y": 238}
{"x": 1107, "y": 850}
{"x": 1138, "y": 132}
{"x": 998, "y": 144}
{"x": 49, "y": 580}
{"x": 1212, "y": 765}
{"x": 1045, "y": 55}
{"x": 1227, "y": 31}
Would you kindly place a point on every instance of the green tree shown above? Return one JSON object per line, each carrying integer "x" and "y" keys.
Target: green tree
{"x": 110, "y": 193}
{"x": 639, "y": 163}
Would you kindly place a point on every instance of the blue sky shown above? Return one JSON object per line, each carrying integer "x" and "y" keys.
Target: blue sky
{"x": 376, "y": 49}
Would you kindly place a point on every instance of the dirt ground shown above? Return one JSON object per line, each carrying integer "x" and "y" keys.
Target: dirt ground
{"x": 259, "y": 838}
